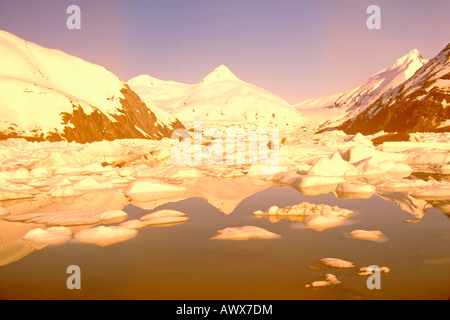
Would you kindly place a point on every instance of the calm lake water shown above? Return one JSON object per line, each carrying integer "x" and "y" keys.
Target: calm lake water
{"x": 180, "y": 262}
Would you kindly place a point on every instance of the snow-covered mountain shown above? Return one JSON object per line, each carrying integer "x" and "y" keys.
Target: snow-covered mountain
{"x": 219, "y": 98}
{"x": 346, "y": 105}
{"x": 421, "y": 103}
{"x": 46, "y": 94}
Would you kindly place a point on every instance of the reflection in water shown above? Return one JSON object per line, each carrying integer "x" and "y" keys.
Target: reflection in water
{"x": 315, "y": 216}
{"x": 86, "y": 218}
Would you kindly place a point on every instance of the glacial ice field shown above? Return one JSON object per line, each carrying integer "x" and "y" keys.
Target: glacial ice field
{"x": 304, "y": 224}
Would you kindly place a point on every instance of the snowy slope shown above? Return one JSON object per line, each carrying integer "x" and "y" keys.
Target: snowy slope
{"x": 220, "y": 98}
{"x": 48, "y": 94}
{"x": 348, "y": 104}
{"x": 161, "y": 96}
{"x": 419, "y": 104}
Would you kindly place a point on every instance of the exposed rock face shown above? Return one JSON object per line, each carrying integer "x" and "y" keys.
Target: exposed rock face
{"x": 420, "y": 104}
{"x": 133, "y": 115}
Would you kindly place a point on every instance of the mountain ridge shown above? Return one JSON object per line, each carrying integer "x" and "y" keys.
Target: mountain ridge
{"x": 419, "y": 104}
{"x": 47, "y": 94}
{"x": 219, "y": 97}
{"x": 345, "y": 105}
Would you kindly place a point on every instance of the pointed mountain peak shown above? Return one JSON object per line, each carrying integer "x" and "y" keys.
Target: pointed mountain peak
{"x": 220, "y": 73}
{"x": 145, "y": 79}
{"x": 413, "y": 55}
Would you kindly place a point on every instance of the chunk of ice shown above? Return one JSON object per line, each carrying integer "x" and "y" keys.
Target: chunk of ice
{"x": 104, "y": 236}
{"x": 244, "y": 233}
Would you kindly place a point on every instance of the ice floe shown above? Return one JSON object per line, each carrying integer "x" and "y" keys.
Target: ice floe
{"x": 105, "y": 235}
{"x": 318, "y": 217}
{"x": 244, "y": 233}
{"x": 161, "y": 217}
{"x": 39, "y": 238}
{"x": 371, "y": 235}
{"x": 366, "y": 272}
{"x": 72, "y": 217}
{"x": 337, "y": 263}
{"x": 152, "y": 189}
{"x": 402, "y": 184}
{"x": 330, "y": 279}
{"x": 90, "y": 183}
{"x": 4, "y": 212}
{"x": 63, "y": 192}
{"x": 333, "y": 166}
{"x": 322, "y": 222}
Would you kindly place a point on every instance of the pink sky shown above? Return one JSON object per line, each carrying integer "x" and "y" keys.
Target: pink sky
{"x": 296, "y": 49}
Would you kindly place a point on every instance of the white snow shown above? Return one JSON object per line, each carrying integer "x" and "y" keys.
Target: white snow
{"x": 244, "y": 233}
{"x": 346, "y": 105}
{"x": 219, "y": 98}
{"x": 47, "y": 81}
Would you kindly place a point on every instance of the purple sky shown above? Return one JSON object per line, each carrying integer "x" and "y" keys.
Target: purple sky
{"x": 296, "y": 49}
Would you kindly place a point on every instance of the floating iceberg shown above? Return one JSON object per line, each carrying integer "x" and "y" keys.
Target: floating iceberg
{"x": 244, "y": 233}
{"x": 151, "y": 189}
{"x": 372, "y": 235}
{"x": 435, "y": 193}
{"x": 333, "y": 166}
{"x": 161, "y": 217}
{"x": 104, "y": 236}
{"x": 364, "y": 271}
{"x": 39, "y": 238}
{"x": 330, "y": 279}
{"x": 337, "y": 263}
{"x": 306, "y": 209}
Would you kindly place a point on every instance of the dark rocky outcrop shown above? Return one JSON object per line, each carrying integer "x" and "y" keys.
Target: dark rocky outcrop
{"x": 420, "y": 104}
{"x": 134, "y": 114}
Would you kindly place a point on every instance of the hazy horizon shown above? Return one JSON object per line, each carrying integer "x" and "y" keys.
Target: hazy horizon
{"x": 296, "y": 49}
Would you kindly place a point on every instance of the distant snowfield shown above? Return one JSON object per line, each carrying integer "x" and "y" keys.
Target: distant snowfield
{"x": 66, "y": 191}
{"x": 219, "y": 100}
{"x": 343, "y": 106}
